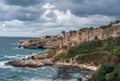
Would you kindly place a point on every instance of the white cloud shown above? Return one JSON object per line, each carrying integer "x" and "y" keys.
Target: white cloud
{"x": 52, "y": 20}
{"x": 66, "y": 18}
{"x": 48, "y": 6}
{"x": 45, "y": 17}
{"x": 14, "y": 23}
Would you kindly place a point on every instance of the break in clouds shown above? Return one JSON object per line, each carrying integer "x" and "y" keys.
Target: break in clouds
{"x": 44, "y": 17}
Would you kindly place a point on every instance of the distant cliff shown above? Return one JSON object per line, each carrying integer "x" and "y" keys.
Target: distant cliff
{"x": 72, "y": 38}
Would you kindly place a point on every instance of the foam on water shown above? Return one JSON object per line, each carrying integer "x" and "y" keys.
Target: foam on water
{"x": 15, "y": 56}
{"x": 36, "y": 79}
{"x": 2, "y": 65}
{"x": 16, "y": 48}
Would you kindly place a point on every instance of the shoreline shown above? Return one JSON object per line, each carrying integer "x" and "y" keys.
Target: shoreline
{"x": 40, "y": 60}
{"x": 81, "y": 66}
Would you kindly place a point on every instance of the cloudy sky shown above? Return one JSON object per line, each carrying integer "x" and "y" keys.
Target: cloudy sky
{"x": 45, "y": 17}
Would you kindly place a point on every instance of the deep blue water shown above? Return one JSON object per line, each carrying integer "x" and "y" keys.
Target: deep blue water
{"x": 9, "y": 51}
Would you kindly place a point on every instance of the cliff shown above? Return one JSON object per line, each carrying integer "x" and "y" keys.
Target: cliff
{"x": 87, "y": 48}
{"x": 71, "y": 38}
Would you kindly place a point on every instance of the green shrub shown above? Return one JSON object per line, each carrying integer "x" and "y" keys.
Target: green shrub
{"x": 100, "y": 75}
{"x": 86, "y": 28}
{"x": 107, "y": 72}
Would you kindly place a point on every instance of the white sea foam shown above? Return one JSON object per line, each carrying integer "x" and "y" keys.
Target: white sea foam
{"x": 17, "y": 48}
{"x": 37, "y": 79}
{"x": 17, "y": 56}
{"x": 2, "y": 65}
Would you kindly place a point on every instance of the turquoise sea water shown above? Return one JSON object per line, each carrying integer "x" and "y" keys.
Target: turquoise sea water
{"x": 9, "y": 51}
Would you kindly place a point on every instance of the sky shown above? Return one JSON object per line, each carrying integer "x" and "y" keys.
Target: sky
{"x": 34, "y": 18}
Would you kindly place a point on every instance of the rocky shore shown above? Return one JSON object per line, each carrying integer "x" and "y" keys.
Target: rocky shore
{"x": 40, "y": 60}
{"x": 61, "y": 45}
{"x": 32, "y": 61}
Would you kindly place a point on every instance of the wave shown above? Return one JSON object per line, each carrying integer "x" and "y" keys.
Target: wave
{"x": 15, "y": 57}
{"x": 15, "y": 48}
{"x": 2, "y": 65}
{"x": 35, "y": 79}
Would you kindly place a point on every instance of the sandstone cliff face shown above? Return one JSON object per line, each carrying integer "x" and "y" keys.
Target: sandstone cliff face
{"x": 89, "y": 35}
{"x": 72, "y": 39}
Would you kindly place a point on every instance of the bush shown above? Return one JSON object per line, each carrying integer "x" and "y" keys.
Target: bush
{"x": 100, "y": 75}
{"x": 107, "y": 72}
{"x": 87, "y": 28}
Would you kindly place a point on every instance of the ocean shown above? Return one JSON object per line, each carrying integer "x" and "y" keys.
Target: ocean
{"x": 9, "y": 51}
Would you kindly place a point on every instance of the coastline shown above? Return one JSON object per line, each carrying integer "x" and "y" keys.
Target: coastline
{"x": 84, "y": 49}
{"x": 81, "y": 66}
{"x": 40, "y": 60}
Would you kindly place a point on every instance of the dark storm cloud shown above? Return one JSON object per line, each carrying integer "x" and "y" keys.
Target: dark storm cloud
{"x": 103, "y": 7}
{"x": 27, "y": 14}
{"x": 77, "y": 7}
{"x": 90, "y": 7}
{"x": 23, "y": 2}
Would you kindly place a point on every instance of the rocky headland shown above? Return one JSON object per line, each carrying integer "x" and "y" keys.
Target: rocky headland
{"x": 60, "y": 44}
{"x": 87, "y": 48}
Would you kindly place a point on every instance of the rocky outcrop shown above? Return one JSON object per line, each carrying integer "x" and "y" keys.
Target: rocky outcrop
{"x": 32, "y": 61}
{"x": 40, "y": 60}
{"x": 63, "y": 43}
{"x": 47, "y": 43}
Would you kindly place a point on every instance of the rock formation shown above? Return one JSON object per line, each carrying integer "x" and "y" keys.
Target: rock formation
{"x": 32, "y": 61}
{"x": 62, "y": 43}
